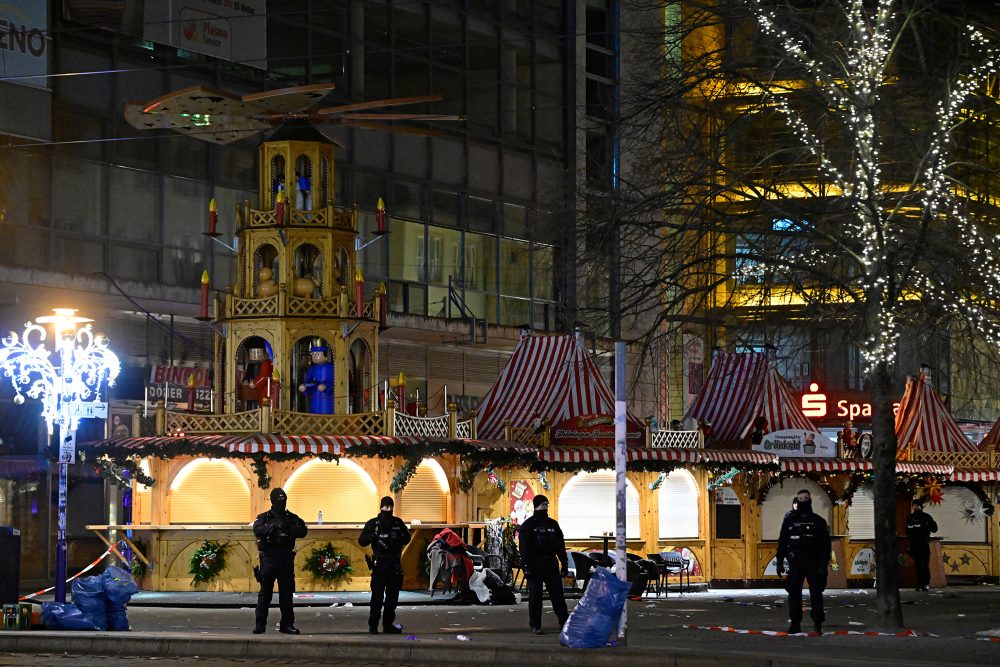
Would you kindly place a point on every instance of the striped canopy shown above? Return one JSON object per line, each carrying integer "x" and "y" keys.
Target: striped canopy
{"x": 552, "y": 377}
{"x": 991, "y": 443}
{"x": 822, "y": 464}
{"x": 263, "y": 443}
{"x": 924, "y": 423}
{"x": 740, "y": 387}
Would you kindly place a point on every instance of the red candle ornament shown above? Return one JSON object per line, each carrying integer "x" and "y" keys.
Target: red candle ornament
{"x": 190, "y": 388}
{"x": 203, "y": 313}
{"x": 359, "y": 293}
{"x": 279, "y": 209}
{"x": 380, "y": 217}
{"x": 213, "y": 216}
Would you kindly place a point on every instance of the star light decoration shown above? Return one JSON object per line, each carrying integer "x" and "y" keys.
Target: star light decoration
{"x": 974, "y": 512}
{"x": 851, "y": 93}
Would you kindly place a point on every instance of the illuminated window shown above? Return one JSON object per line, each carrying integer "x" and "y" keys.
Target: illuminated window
{"x": 678, "y": 499}
{"x": 587, "y": 506}
{"x": 779, "y": 501}
{"x": 208, "y": 491}
{"x": 426, "y": 494}
{"x": 343, "y": 491}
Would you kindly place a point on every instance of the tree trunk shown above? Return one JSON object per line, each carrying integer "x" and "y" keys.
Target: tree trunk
{"x": 890, "y": 610}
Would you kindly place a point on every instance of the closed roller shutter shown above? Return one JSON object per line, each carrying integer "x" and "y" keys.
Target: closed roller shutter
{"x": 953, "y": 526}
{"x": 482, "y": 368}
{"x": 446, "y": 364}
{"x": 861, "y": 515}
{"x": 209, "y": 491}
{"x": 384, "y": 360}
{"x": 587, "y": 506}
{"x": 779, "y": 501}
{"x": 424, "y": 498}
{"x": 343, "y": 492}
{"x": 411, "y": 359}
{"x": 678, "y": 500}
{"x": 142, "y": 504}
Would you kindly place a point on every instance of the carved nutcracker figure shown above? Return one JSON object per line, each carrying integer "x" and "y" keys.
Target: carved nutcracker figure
{"x": 256, "y": 377}
{"x": 318, "y": 386}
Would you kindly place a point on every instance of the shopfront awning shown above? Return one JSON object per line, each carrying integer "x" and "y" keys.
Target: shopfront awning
{"x": 823, "y": 464}
{"x": 974, "y": 475}
{"x": 738, "y": 456}
{"x": 909, "y": 468}
{"x": 581, "y": 454}
{"x": 258, "y": 443}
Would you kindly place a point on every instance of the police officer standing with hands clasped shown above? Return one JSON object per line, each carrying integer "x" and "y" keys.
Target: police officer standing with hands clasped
{"x": 805, "y": 542}
{"x": 276, "y": 531}
{"x": 543, "y": 557}
{"x": 387, "y": 535}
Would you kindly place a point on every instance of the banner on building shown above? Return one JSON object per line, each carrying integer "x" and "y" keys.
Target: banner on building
{"x": 24, "y": 42}
{"x": 233, "y": 30}
{"x": 797, "y": 442}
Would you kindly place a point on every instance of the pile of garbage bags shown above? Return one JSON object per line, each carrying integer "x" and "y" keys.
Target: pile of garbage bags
{"x": 99, "y": 603}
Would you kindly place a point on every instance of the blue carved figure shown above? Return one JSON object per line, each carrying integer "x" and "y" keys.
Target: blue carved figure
{"x": 318, "y": 386}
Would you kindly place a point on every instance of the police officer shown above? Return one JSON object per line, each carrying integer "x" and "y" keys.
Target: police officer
{"x": 805, "y": 542}
{"x": 919, "y": 526}
{"x": 387, "y": 535}
{"x": 276, "y": 531}
{"x": 543, "y": 557}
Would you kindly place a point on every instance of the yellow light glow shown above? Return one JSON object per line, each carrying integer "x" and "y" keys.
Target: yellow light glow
{"x": 64, "y": 320}
{"x": 439, "y": 476}
{"x": 343, "y": 463}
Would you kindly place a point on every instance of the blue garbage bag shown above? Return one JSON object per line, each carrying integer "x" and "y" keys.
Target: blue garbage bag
{"x": 63, "y": 616}
{"x": 89, "y": 597}
{"x": 598, "y": 611}
{"x": 119, "y": 587}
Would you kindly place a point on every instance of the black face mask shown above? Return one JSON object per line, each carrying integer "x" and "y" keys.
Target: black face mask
{"x": 804, "y": 507}
{"x": 385, "y": 514}
{"x": 278, "y": 504}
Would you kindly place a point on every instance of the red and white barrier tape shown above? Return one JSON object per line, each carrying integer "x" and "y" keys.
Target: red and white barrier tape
{"x": 778, "y": 633}
{"x": 81, "y": 572}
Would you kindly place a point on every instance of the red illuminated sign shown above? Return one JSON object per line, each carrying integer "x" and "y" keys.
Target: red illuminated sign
{"x": 817, "y": 405}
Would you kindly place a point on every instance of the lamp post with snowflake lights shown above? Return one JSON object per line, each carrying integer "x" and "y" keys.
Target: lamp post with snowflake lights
{"x": 68, "y": 382}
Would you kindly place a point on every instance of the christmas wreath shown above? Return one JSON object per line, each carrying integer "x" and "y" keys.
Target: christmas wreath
{"x": 208, "y": 561}
{"x": 327, "y": 564}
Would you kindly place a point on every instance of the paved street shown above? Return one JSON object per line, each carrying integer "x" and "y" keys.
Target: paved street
{"x": 960, "y": 618}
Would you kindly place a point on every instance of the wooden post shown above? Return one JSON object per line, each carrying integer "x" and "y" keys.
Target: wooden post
{"x": 649, "y": 432}
{"x": 472, "y": 419}
{"x": 342, "y": 306}
{"x": 266, "y": 416}
{"x": 390, "y": 416}
{"x": 161, "y": 418}
{"x": 452, "y": 421}
{"x": 137, "y": 421}
{"x": 506, "y": 430}
{"x": 545, "y": 433}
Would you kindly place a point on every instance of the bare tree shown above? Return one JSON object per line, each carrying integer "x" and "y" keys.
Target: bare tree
{"x": 823, "y": 162}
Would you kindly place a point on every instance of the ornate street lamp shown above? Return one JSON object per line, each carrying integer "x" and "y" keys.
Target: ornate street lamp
{"x": 68, "y": 385}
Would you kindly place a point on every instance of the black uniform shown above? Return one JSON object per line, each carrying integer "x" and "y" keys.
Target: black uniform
{"x": 387, "y": 535}
{"x": 919, "y": 527}
{"x": 543, "y": 557}
{"x": 276, "y": 532}
{"x": 805, "y": 542}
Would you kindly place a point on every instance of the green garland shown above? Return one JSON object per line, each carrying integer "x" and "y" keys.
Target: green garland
{"x": 328, "y": 565}
{"x": 403, "y": 475}
{"x": 208, "y": 561}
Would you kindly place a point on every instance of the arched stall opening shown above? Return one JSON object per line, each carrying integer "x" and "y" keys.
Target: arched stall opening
{"x": 587, "y": 506}
{"x": 426, "y": 495}
{"x": 678, "y": 504}
{"x": 342, "y": 491}
{"x": 779, "y": 501}
{"x": 209, "y": 491}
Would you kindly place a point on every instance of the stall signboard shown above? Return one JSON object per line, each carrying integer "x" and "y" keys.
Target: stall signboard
{"x": 24, "y": 41}
{"x": 593, "y": 430}
{"x": 797, "y": 442}
{"x": 725, "y": 495}
{"x": 522, "y": 501}
{"x": 170, "y": 384}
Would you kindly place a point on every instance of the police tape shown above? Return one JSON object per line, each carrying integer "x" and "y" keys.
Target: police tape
{"x": 81, "y": 572}
{"x": 779, "y": 633}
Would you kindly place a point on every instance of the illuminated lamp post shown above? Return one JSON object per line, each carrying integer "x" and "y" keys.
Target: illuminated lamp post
{"x": 68, "y": 386}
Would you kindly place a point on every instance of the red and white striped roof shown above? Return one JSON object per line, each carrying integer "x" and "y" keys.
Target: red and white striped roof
{"x": 739, "y": 388}
{"x": 552, "y": 377}
{"x": 991, "y": 443}
{"x": 822, "y": 464}
{"x": 267, "y": 443}
{"x": 738, "y": 456}
{"x": 923, "y": 422}
{"x": 595, "y": 454}
{"x": 975, "y": 475}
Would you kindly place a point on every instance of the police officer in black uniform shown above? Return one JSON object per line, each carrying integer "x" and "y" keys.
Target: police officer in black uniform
{"x": 387, "y": 535}
{"x": 919, "y": 526}
{"x": 805, "y": 542}
{"x": 276, "y": 531}
{"x": 543, "y": 557}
